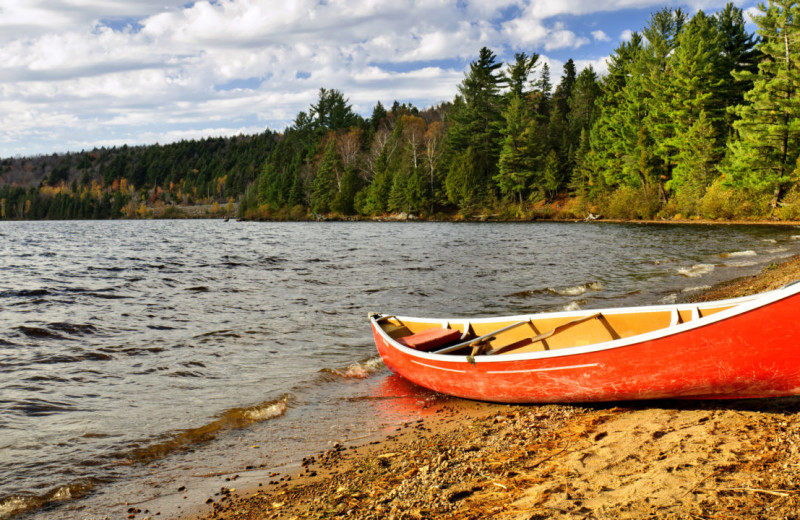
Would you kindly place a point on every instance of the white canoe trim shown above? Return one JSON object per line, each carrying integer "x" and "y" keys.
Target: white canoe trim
{"x": 738, "y": 306}
{"x": 439, "y": 368}
{"x": 588, "y": 365}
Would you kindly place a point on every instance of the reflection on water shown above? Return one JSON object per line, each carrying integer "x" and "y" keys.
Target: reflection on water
{"x": 126, "y": 346}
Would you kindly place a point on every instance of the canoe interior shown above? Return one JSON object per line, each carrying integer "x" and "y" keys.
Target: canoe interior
{"x": 567, "y": 330}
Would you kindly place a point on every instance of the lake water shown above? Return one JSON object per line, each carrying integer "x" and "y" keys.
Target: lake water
{"x": 137, "y": 354}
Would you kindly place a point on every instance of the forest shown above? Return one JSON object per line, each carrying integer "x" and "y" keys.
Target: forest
{"x": 695, "y": 118}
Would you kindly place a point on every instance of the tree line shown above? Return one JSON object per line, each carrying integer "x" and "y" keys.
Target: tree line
{"x": 695, "y": 117}
{"x": 132, "y": 181}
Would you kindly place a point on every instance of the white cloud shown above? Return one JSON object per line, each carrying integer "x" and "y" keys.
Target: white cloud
{"x": 752, "y": 12}
{"x": 626, "y": 35}
{"x": 77, "y": 72}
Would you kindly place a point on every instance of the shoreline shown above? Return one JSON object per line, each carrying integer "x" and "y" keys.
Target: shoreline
{"x": 205, "y": 212}
{"x": 469, "y": 459}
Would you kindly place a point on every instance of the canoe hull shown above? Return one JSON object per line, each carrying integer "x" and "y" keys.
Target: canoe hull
{"x": 752, "y": 354}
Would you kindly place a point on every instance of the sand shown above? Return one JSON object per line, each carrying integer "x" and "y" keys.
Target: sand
{"x": 659, "y": 459}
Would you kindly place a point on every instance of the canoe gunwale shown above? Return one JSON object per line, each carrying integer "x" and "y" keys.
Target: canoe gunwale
{"x": 738, "y": 306}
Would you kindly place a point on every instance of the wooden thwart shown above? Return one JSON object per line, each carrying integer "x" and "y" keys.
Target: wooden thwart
{"x": 479, "y": 339}
{"x": 543, "y": 336}
{"x": 475, "y": 342}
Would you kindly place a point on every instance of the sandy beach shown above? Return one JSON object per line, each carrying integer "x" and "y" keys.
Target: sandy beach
{"x": 661, "y": 459}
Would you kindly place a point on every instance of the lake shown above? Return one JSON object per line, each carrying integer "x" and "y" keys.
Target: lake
{"x": 140, "y": 351}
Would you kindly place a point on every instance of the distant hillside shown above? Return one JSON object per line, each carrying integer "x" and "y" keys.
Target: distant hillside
{"x": 100, "y": 183}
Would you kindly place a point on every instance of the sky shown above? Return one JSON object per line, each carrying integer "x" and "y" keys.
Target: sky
{"x": 80, "y": 74}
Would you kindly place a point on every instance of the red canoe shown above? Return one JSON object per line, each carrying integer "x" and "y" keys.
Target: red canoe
{"x": 741, "y": 348}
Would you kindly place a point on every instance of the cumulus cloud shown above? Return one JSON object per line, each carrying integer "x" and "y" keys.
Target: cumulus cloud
{"x": 77, "y": 72}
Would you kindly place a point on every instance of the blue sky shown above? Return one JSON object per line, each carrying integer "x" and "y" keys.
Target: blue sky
{"x": 79, "y": 74}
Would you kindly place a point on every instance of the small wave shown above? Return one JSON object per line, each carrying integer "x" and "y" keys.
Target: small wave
{"x": 361, "y": 370}
{"x": 76, "y": 329}
{"x": 19, "y": 504}
{"x": 232, "y": 419}
{"x": 770, "y": 240}
{"x": 271, "y": 260}
{"x": 524, "y": 294}
{"x": 40, "y": 407}
{"x": 106, "y": 296}
{"x": 24, "y": 293}
{"x": 696, "y": 270}
{"x": 224, "y": 333}
{"x": 132, "y": 351}
{"x": 199, "y": 288}
{"x": 38, "y": 332}
{"x": 742, "y": 264}
{"x": 573, "y": 306}
{"x": 669, "y": 299}
{"x": 185, "y": 373}
{"x": 577, "y": 290}
{"x": 696, "y": 289}
{"x": 739, "y": 254}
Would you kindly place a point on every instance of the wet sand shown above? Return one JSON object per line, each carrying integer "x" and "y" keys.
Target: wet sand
{"x": 661, "y": 459}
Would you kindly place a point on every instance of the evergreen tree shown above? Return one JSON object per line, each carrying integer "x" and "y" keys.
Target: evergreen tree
{"x": 551, "y": 174}
{"x": 655, "y": 70}
{"x": 323, "y": 187}
{"x": 344, "y": 201}
{"x": 765, "y": 156}
{"x": 545, "y": 88}
{"x": 376, "y": 120}
{"x": 476, "y": 127}
{"x": 331, "y": 112}
{"x": 582, "y": 101}
{"x": 462, "y": 181}
{"x": 738, "y": 55}
{"x": 697, "y": 163}
{"x": 564, "y": 89}
{"x": 615, "y": 134}
{"x": 518, "y": 74}
{"x": 694, "y": 89}
{"x": 518, "y": 156}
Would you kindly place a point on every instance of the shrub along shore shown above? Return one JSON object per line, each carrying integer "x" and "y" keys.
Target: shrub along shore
{"x": 463, "y": 459}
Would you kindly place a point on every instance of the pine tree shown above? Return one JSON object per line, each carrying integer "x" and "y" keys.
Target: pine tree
{"x": 697, "y": 161}
{"x": 655, "y": 69}
{"x": 694, "y": 88}
{"x": 323, "y": 187}
{"x": 518, "y": 156}
{"x": 765, "y": 155}
{"x": 615, "y": 133}
{"x": 476, "y": 127}
{"x": 738, "y": 55}
{"x": 517, "y": 76}
{"x": 462, "y": 181}
{"x": 545, "y": 89}
{"x": 564, "y": 89}
{"x": 551, "y": 174}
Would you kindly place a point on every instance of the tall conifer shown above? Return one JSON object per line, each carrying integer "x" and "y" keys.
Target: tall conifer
{"x": 765, "y": 155}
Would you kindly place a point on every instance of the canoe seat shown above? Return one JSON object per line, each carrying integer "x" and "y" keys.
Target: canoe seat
{"x": 430, "y": 339}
